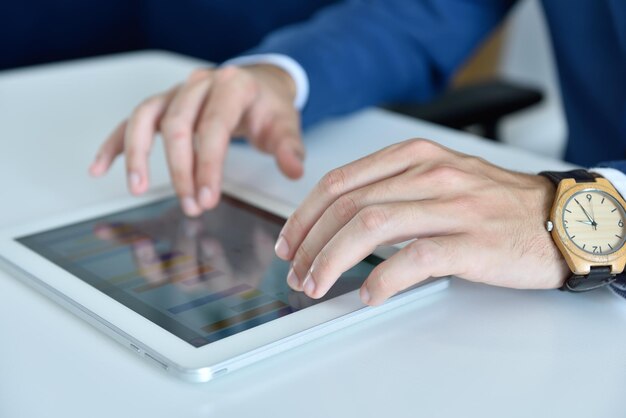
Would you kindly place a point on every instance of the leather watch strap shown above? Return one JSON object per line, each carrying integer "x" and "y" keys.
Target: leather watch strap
{"x": 597, "y": 277}
{"x": 580, "y": 175}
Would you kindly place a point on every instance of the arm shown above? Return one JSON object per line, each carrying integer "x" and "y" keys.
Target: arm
{"x": 360, "y": 53}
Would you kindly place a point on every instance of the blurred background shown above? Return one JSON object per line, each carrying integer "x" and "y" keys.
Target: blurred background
{"x": 507, "y": 91}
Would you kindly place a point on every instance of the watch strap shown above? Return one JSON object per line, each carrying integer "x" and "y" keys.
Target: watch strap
{"x": 598, "y": 276}
{"x": 580, "y": 175}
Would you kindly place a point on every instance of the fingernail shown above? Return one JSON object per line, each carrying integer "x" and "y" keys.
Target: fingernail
{"x": 134, "y": 179}
{"x": 292, "y": 279}
{"x": 204, "y": 197}
{"x": 309, "y": 284}
{"x": 96, "y": 167}
{"x": 281, "y": 248}
{"x": 365, "y": 295}
{"x": 190, "y": 207}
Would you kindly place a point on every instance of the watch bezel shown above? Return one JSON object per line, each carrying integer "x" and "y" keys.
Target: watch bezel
{"x": 579, "y": 260}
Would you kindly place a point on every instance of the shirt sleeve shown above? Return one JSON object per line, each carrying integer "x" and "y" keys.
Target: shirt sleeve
{"x": 615, "y": 173}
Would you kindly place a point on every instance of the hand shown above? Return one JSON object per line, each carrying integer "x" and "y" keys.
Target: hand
{"x": 197, "y": 120}
{"x": 465, "y": 217}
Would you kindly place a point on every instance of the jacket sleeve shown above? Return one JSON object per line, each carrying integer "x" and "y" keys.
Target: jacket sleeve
{"x": 359, "y": 53}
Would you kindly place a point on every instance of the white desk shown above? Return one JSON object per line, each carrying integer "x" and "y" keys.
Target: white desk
{"x": 472, "y": 351}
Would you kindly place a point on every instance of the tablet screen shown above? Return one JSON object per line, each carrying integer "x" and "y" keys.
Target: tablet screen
{"x": 201, "y": 279}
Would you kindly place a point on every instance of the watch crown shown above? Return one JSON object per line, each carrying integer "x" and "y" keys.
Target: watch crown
{"x": 549, "y": 226}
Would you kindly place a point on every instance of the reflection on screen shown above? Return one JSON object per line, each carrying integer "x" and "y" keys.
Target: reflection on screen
{"x": 201, "y": 279}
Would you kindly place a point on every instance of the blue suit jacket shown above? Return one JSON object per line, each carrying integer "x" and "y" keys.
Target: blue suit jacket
{"x": 365, "y": 52}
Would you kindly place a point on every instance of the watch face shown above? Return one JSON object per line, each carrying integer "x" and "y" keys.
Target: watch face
{"x": 594, "y": 222}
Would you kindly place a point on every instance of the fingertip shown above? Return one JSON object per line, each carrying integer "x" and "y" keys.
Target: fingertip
{"x": 282, "y": 248}
{"x": 290, "y": 162}
{"x": 94, "y": 171}
{"x": 98, "y": 167}
{"x": 208, "y": 197}
{"x": 293, "y": 281}
{"x": 190, "y": 206}
{"x": 365, "y": 295}
{"x": 137, "y": 183}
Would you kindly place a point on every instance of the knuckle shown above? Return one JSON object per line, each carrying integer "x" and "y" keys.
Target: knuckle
{"x": 421, "y": 147}
{"x": 227, "y": 73}
{"x": 211, "y": 122}
{"x": 198, "y": 74}
{"x": 445, "y": 174}
{"x": 334, "y": 182}
{"x": 344, "y": 208}
{"x": 383, "y": 283}
{"x": 145, "y": 106}
{"x": 421, "y": 253}
{"x": 372, "y": 218}
{"x": 175, "y": 129}
{"x": 239, "y": 81}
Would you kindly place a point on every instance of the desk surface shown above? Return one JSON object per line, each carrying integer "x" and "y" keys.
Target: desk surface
{"x": 471, "y": 351}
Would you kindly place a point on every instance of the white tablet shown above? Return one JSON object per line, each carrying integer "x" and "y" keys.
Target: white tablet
{"x": 197, "y": 297}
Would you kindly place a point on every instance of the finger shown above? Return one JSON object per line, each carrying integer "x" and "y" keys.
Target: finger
{"x": 232, "y": 94}
{"x": 177, "y": 127}
{"x": 423, "y": 258}
{"x": 138, "y": 138}
{"x": 406, "y": 187}
{"x": 282, "y": 138}
{"x": 110, "y": 149}
{"x": 373, "y": 226}
{"x": 383, "y": 164}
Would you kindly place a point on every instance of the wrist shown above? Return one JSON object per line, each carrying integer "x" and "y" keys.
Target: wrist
{"x": 298, "y": 80}
{"x": 281, "y": 80}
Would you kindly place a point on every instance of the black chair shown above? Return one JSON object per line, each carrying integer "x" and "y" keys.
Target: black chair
{"x": 478, "y": 106}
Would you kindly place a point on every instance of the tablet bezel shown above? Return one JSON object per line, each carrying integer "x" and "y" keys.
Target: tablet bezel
{"x": 189, "y": 362}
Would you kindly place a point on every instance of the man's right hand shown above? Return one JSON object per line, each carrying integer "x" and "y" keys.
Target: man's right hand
{"x": 197, "y": 119}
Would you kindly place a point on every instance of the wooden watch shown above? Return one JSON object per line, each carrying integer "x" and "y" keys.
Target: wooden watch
{"x": 587, "y": 223}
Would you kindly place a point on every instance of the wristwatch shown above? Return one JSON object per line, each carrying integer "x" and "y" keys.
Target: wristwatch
{"x": 587, "y": 223}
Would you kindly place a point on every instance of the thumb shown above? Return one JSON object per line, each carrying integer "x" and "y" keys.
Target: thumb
{"x": 289, "y": 154}
{"x": 282, "y": 138}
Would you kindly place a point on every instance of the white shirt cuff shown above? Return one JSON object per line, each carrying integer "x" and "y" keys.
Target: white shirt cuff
{"x": 287, "y": 64}
{"x": 616, "y": 177}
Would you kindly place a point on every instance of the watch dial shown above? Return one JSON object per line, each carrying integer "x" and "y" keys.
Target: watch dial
{"x": 594, "y": 222}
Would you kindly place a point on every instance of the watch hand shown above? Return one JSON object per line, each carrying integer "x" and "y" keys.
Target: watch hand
{"x": 584, "y": 222}
{"x": 593, "y": 216}
{"x": 585, "y": 212}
